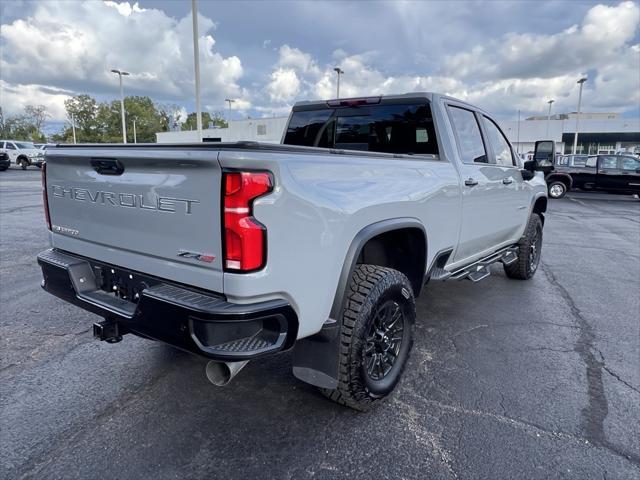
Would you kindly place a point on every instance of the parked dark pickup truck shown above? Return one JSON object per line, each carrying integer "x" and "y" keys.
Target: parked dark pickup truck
{"x": 609, "y": 173}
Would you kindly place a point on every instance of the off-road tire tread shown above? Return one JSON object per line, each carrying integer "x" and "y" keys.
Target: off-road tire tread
{"x": 365, "y": 280}
{"x": 519, "y": 269}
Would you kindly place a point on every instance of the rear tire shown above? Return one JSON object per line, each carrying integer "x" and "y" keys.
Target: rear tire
{"x": 376, "y": 336}
{"x": 557, "y": 190}
{"x": 530, "y": 247}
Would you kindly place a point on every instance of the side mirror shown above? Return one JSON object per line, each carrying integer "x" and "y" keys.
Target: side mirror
{"x": 543, "y": 156}
{"x": 526, "y": 173}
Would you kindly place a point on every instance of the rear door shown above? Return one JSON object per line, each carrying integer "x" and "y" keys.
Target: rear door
{"x": 609, "y": 173}
{"x": 486, "y": 219}
{"x": 153, "y": 210}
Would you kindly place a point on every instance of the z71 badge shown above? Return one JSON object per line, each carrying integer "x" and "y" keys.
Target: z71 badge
{"x": 201, "y": 257}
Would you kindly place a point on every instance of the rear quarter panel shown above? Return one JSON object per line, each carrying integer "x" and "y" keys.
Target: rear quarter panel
{"x": 319, "y": 203}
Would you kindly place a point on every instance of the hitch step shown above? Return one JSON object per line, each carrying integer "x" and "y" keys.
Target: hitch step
{"x": 107, "y": 331}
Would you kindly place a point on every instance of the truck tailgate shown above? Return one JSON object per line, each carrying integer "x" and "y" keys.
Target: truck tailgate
{"x": 151, "y": 210}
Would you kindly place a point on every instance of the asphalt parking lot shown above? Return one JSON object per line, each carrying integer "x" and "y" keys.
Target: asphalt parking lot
{"x": 507, "y": 379}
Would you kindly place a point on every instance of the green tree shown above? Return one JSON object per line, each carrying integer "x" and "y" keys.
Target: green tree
{"x": 217, "y": 120}
{"x": 27, "y": 126}
{"x": 83, "y": 111}
{"x": 102, "y": 122}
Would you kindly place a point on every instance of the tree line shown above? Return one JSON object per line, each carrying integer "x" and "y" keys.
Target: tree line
{"x": 101, "y": 122}
{"x": 25, "y": 126}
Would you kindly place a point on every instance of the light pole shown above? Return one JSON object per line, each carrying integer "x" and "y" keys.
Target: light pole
{"x": 120, "y": 73}
{"x": 575, "y": 135}
{"x": 550, "y": 102}
{"x": 230, "y": 101}
{"x": 196, "y": 61}
{"x": 339, "y": 72}
{"x": 73, "y": 127}
{"x": 135, "y": 138}
{"x": 518, "y": 141}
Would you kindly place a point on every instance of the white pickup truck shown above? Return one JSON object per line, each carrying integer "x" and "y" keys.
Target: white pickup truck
{"x": 319, "y": 245}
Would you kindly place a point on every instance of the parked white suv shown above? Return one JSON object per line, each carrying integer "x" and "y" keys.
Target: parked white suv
{"x": 22, "y": 153}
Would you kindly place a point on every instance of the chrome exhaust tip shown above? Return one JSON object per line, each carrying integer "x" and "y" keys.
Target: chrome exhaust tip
{"x": 221, "y": 373}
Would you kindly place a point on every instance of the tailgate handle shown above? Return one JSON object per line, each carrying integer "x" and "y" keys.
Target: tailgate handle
{"x": 107, "y": 166}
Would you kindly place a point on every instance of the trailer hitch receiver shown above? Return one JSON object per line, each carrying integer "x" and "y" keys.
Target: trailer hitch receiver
{"x": 107, "y": 331}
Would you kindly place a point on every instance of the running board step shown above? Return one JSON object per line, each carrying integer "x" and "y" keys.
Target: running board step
{"x": 479, "y": 270}
{"x": 480, "y": 274}
{"x": 439, "y": 274}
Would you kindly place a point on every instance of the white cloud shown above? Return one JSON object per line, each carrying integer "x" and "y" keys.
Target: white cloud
{"x": 604, "y": 31}
{"x": 16, "y": 97}
{"x": 284, "y": 85}
{"x": 74, "y": 46}
{"x": 63, "y": 48}
{"x": 514, "y": 72}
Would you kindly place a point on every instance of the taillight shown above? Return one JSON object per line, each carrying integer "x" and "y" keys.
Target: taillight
{"x": 45, "y": 197}
{"x": 245, "y": 238}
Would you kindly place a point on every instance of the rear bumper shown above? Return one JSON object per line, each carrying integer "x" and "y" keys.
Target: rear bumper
{"x": 196, "y": 321}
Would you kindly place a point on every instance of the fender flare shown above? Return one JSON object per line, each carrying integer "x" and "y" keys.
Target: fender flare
{"x": 552, "y": 176}
{"x": 316, "y": 358}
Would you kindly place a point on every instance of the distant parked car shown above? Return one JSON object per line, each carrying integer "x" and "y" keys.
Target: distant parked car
{"x": 5, "y": 161}
{"x": 618, "y": 174}
{"x": 22, "y": 153}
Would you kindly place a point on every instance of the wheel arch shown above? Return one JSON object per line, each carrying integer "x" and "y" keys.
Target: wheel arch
{"x": 316, "y": 358}
{"x": 539, "y": 206}
{"x": 561, "y": 177}
{"x": 383, "y": 243}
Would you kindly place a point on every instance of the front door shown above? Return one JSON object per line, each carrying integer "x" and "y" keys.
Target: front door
{"x": 630, "y": 174}
{"x": 485, "y": 220}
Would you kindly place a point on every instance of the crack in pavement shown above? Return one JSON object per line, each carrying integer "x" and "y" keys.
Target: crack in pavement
{"x": 617, "y": 377}
{"x": 528, "y": 427}
{"x": 17, "y": 209}
{"x": 597, "y": 408}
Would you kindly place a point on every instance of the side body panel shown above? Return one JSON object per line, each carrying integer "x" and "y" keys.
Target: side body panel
{"x": 319, "y": 204}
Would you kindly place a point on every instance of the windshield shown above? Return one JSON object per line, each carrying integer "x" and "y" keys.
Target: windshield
{"x": 376, "y": 128}
{"x": 22, "y": 145}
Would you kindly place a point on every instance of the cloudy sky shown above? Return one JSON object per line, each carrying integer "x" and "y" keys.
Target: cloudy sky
{"x": 501, "y": 55}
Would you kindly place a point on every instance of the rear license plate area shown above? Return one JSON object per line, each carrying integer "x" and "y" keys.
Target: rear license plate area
{"x": 121, "y": 283}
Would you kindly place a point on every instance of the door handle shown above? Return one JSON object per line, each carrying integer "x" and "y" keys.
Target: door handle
{"x": 507, "y": 181}
{"x": 471, "y": 182}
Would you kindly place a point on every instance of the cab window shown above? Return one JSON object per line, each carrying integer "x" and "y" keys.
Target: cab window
{"x": 10, "y": 146}
{"x": 391, "y": 128}
{"x": 609, "y": 163}
{"x": 630, "y": 163}
{"x": 468, "y": 135}
{"x": 499, "y": 144}
{"x": 592, "y": 162}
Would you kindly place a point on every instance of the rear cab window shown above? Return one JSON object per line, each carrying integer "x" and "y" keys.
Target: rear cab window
{"x": 402, "y": 128}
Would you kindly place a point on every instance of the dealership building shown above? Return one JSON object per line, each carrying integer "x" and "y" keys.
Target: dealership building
{"x": 598, "y": 132}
